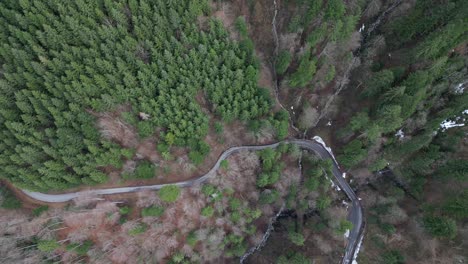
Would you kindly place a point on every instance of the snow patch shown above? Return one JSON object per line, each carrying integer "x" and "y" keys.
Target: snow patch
{"x": 458, "y": 121}
{"x": 321, "y": 142}
{"x": 357, "y": 250}
{"x": 345, "y": 204}
{"x": 400, "y": 134}
{"x": 346, "y": 234}
{"x": 333, "y": 185}
{"x": 459, "y": 88}
{"x": 449, "y": 124}
{"x": 361, "y": 29}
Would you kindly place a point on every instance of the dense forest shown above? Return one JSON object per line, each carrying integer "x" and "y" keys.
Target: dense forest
{"x": 379, "y": 80}
{"x": 63, "y": 63}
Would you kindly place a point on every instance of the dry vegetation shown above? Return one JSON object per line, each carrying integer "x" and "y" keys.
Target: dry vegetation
{"x": 117, "y": 231}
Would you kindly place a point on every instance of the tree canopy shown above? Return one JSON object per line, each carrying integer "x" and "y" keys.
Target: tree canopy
{"x": 65, "y": 62}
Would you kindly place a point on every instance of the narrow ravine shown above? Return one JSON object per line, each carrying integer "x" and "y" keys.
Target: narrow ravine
{"x": 265, "y": 237}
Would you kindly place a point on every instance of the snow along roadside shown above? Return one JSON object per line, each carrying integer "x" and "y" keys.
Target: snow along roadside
{"x": 321, "y": 142}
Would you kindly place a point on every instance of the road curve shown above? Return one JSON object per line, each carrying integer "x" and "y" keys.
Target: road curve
{"x": 355, "y": 214}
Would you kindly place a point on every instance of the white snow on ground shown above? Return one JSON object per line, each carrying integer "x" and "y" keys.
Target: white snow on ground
{"x": 345, "y": 204}
{"x": 400, "y": 134}
{"x": 320, "y": 140}
{"x": 333, "y": 185}
{"x": 459, "y": 88}
{"x": 362, "y": 28}
{"x": 346, "y": 234}
{"x": 457, "y": 122}
{"x": 357, "y": 250}
{"x": 446, "y": 124}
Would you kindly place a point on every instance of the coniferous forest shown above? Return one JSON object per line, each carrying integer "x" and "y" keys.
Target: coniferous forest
{"x": 63, "y": 62}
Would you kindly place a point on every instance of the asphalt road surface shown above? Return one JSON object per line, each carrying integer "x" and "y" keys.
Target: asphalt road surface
{"x": 354, "y": 215}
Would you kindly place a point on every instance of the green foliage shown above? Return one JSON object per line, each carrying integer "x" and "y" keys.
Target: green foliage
{"x": 283, "y": 61}
{"x": 241, "y": 26}
{"x": 312, "y": 184}
{"x": 344, "y": 226}
{"x": 235, "y": 246}
{"x": 353, "y": 153}
{"x": 208, "y": 189}
{"x": 323, "y": 202}
{"x": 155, "y": 211}
{"x": 393, "y": 257}
{"x": 281, "y": 124}
{"x": 145, "y": 170}
{"x": 80, "y": 248}
{"x": 192, "y": 239}
{"x": 234, "y": 204}
{"x": 330, "y": 74}
{"x": 335, "y": 9}
{"x": 8, "y": 199}
{"x": 304, "y": 73}
{"x": 439, "y": 226}
{"x": 293, "y": 258}
{"x": 169, "y": 193}
{"x": 422, "y": 20}
{"x": 378, "y": 83}
{"x": 39, "y": 210}
{"x": 317, "y": 35}
{"x": 268, "y": 196}
{"x": 453, "y": 169}
{"x": 268, "y": 157}
{"x": 295, "y": 24}
{"x": 296, "y": 238}
{"x": 124, "y": 210}
{"x": 359, "y": 121}
{"x": 67, "y": 68}
{"x": 139, "y": 229}
{"x": 219, "y": 129}
{"x": 292, "y": 196}
{"x": 378, "y": 165}
{"x": 47, "y": 245}
{"x": 178, "y": 257}
{"x": 457, "y": 206}
{"x": 224, "y": 164}
{"x": 387, "y": 228}
{"x": 389, "y": 118}
{"x": 207, "y": 211}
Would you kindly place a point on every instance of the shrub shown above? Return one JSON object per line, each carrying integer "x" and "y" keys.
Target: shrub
{"x": 145, "y": 170}
{"x": 39, "y": 210}
{"x": 207, "y": 211}
{"x": 124, "y": 210}
{"x": 224, "y": 164}
{"x": 80, "y": 249}
{"x": 8, "y": 199}
{"x": 169, "y": 193}
{"x": 208, "y": 189}
{"x": 440, "y": 226}
{"x": 47, "y": 245}
{"x": 268, "y": 196}
{"x": 283, "y": 61}
{"x": 393, "y": 257}
{"x": 296, "y": 238}
{"x": 192, "y": 239}
{"x": 139, "y": 229}
{"x": 154, "y": 210}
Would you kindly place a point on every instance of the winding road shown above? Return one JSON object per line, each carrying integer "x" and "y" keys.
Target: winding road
{"x": 355, "y": 214}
